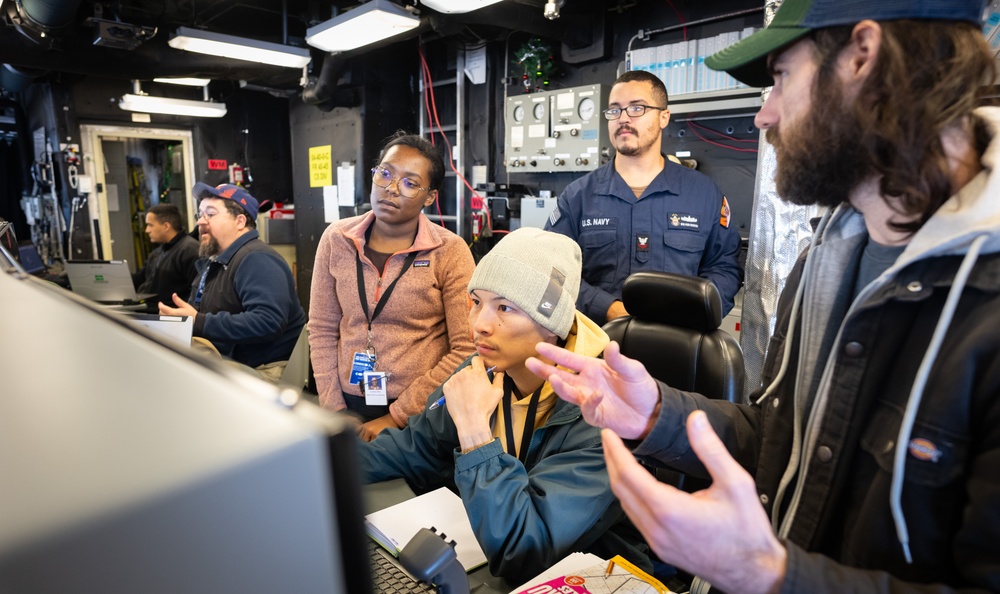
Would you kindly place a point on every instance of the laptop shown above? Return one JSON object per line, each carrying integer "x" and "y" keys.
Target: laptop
{"x": 108, "y": 282}
{"x": 30, "y": 260}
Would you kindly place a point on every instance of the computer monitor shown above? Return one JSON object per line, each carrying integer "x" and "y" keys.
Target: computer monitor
{"x": 131, "y": 465}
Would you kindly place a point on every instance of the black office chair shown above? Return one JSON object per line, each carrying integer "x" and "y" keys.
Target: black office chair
{"x": 673, "y": 330}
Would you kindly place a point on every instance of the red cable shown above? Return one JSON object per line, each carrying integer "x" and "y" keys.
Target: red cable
{"x": 437, "y": 121}
{"x": 692, "y": 123}
{"x": 428, "y": 102}
{"x": 427, "y": 108}
{"x": 429, "y": 98}
{"x": 719, "y": 144}
{"x": 680, "y": 18}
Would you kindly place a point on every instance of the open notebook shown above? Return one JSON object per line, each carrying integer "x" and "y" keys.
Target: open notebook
{"x": 394, "y": 526}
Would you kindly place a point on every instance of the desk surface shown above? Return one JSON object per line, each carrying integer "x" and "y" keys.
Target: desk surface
{"x": 381, "y": 495}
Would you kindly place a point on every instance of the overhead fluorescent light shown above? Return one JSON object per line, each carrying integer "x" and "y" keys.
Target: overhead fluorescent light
{"x": 239, "y": 48}
{"x": 171, "y": 106}
{"x": 141, "y": 102}
{"x": 457, "y": 6}
{"x": 187, "y": 82}
{"x": 371, "y": 22}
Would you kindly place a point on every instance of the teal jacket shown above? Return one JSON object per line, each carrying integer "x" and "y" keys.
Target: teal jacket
{"x": 525, "y": 516}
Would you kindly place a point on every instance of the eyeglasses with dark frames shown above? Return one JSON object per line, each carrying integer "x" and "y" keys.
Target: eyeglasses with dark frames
{"x": 633, "y": 111}
{"x": 383, "y": 178}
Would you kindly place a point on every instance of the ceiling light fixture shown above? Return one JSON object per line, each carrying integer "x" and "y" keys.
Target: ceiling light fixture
{"x": 551, "y": 10}
{"x": 457, "y": 6}
{"x": 239, "y": 48}
{"x": 139, "y": 101}
{"x": 187, "y": 82}
{"x": 371, "y": 22}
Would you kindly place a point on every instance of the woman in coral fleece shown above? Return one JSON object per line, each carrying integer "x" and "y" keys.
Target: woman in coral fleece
{"x": 388, "y": 315}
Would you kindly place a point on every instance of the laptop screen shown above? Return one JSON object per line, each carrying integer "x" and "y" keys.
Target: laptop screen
{"x": 101, "y": 281}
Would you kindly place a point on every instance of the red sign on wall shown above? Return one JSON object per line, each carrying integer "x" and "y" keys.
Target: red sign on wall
{"x": 217, "y": 164}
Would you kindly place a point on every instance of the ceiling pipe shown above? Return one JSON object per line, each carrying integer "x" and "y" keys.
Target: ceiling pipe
{"x": 323, "y": 90}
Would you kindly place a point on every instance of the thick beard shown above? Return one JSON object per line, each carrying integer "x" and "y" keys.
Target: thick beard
{"x": 209, "y": 248}
{"x": 820, "y": 158}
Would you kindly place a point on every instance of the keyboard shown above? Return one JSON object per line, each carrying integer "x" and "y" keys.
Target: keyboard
{"x": 388, "y": 577}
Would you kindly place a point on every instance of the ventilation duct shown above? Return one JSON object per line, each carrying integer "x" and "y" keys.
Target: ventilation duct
{"x": 323, "y": 90}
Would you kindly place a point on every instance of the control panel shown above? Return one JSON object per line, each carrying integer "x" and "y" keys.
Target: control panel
{"x": 559, "y": 130}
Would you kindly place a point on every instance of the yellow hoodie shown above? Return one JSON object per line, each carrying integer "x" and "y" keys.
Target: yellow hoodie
{"x": 585, "y": 338}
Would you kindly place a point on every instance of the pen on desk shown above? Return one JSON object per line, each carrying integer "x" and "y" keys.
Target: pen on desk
{"x": 440, "y": 400}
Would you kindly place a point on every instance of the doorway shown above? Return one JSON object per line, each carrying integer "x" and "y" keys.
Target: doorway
{"x": 133, "y": 169}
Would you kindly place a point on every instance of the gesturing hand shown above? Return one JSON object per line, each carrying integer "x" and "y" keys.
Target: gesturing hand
{"x": 615, "y": 392}
{"x": 721, "y": 533}
{"x": 183, "y": 308}
{"x": 471, "y": 399}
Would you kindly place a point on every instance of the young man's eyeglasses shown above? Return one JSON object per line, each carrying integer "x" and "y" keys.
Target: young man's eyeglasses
{"x": 633, "y": 111}
{"x": 383, "y": 178}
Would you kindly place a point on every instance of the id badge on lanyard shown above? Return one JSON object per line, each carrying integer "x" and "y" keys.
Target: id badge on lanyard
{"x": 373, "y": 383}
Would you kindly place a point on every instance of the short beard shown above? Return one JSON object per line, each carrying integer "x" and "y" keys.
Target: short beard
{"x": 631, "y": 151}
{"x": 820, "y": 160}
{"x": 209, "y": 248}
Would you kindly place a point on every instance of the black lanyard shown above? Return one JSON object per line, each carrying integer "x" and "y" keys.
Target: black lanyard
{"x": 385, "y": 296}
{"x": 529, "y": 420}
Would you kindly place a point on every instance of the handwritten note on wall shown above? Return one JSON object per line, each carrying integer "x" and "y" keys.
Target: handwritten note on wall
{"x": 320, "y": 166}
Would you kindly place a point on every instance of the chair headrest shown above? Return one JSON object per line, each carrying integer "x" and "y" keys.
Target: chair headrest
{"x": 673, "y": 299}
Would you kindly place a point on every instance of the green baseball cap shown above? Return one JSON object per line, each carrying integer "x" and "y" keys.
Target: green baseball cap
{"x": 746, "y": 60}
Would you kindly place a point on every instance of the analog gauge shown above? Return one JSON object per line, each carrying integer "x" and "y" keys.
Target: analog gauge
{"x": 518, "y": 113}
{"x": 586, "y": 108}
{"x": 539, "y": 111}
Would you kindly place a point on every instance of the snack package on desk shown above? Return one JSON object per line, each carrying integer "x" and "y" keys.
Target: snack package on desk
{"x": 570, "y": 576}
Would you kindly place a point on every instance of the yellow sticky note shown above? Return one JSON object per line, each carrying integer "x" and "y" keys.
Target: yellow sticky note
{"x": 320, "y": 166}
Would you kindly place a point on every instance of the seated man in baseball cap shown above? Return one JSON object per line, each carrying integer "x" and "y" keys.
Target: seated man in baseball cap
{"x": 243, "y": 298}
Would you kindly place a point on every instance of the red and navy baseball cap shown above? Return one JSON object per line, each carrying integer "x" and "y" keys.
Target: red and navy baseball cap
{"x": 228, "y": 192}
{"x": 746, "y": 60}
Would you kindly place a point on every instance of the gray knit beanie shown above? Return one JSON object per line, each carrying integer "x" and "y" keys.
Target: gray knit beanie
{"x": 538, "y": 271}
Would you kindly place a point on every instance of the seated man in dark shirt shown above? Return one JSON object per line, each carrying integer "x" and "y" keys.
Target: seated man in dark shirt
{"x": 170, "y": 267}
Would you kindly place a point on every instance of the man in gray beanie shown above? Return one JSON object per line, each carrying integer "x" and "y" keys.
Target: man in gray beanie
{"x": 529, "y": 469}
